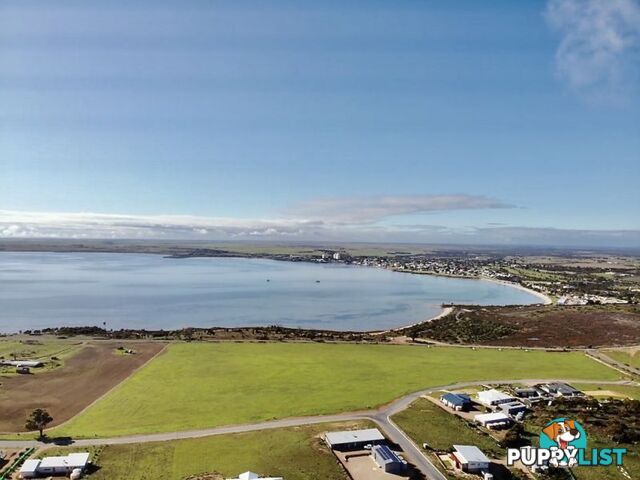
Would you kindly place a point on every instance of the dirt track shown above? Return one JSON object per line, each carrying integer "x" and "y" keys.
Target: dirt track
{"x": 64, "y": 392}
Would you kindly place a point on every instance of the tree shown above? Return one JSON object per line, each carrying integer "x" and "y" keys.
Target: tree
{"x": 38, "y": 420}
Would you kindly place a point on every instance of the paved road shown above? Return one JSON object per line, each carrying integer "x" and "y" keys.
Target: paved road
{"x": 380, "y": 416}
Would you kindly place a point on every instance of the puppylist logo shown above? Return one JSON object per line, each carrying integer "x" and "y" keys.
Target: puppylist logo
{"x": 563, "y": 443}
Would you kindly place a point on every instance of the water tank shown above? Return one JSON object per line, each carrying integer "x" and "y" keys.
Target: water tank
{"x": 76, "y": 474}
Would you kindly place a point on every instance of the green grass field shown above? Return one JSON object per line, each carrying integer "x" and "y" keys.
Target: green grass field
{"x": 11, "y": 349}
{"x": 426, "y": 422}
{"x": 624, "y": 390}
{"x": 201, "y": 385}
{"x": 41, "y": 350}
{"x": 294, "y": 453}
{"x": 625, "y": 356}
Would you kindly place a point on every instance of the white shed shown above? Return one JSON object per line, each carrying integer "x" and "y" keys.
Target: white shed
{"x": 493, "y": 397}
{"x": 470, "y": 458}
{"x": 29, "y": 469}
{"x": 493, "y": 420}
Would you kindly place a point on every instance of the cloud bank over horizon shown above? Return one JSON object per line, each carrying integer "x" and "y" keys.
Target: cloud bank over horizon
{"x": 363, "y": 223}
{"x": 358, "y": 210}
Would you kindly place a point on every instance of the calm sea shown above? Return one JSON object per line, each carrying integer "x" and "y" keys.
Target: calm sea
{"x": 40, "y": 290}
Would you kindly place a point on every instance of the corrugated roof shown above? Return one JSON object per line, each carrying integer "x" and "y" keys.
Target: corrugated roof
{"x": 471, "y": 453}
{"x": 354, "y": 436}
{"x": 30, "y": 466}
{"x": 456, "y": 398}
{"x": 73, "y": 460}
{"x": 493, "y": 395}
{"x": 490, "y": 417}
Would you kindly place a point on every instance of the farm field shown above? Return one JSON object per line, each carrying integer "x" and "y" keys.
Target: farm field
{"x": 604, "y": 391}
{"x": 294, "y": 453}
{"x": 89, "y": 372}
{"x": 629, "y": 356}
{"x": 198, "y": 385}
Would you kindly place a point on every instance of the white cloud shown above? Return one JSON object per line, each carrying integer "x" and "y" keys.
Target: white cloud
{"x": 372, "y": 209}
{"x": 95, "y": 225}
{"x": 16, "y": 225}
{"x": 599, "y": 52}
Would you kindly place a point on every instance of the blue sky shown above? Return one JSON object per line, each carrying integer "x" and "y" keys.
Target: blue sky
{"x": 425, "y": 121}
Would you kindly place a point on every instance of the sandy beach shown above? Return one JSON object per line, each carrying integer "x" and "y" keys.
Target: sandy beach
{"x": 546, "y": 300}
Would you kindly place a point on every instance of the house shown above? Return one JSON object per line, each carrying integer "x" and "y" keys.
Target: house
{"x": 353, "y": 439}
{"x": 560, "y": 390}
{"x": 73, "y": 464}
{"x": 254, "y": 476}
{"x": 470, "y": 458}
{"x": 530, "y": 393}
{"x": 456, "y": 401}
{"x": 493, "y": 397}
{"x": 387, "y": 459}
{"x": 493, "y": 420}
{"x": 512, "y": 408}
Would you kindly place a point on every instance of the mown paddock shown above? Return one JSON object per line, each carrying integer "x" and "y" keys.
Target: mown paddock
{"x": 294, "y": 453}
{"x": 606, "y": 391}
{"x": 630, "y": 356}
{"x": 199, "y": 385}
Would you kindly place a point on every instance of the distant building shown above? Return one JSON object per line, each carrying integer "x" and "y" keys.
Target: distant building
{"x": 457, "y": 401}
{"x": 387, "y": 459}
{"x": 22, "y": 363}
{"x": 337, "y": 256}
{"x": 493, "y": 397}
{"x": 560, "y": 390}
{"x": 470, "y": 458}
{"x": 493, "y": 420}
{"x": 73, "y": 464}
{"x": 254, "y": 476}
{"x": 513, "y": 408}
{"x": 530, "y": 393}
{"x": 353, "y": 439}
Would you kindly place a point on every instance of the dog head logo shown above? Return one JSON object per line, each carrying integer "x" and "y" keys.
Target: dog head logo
{"x": 563, "y": 433}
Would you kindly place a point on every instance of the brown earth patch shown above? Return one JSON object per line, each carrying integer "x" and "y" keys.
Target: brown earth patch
{"x": 66, "y": 391}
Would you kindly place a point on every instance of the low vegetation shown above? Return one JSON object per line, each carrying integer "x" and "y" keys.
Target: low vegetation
{"x": 615, "y": 423}
{"x": 549, "y": 326}
{"x": 197, "y": 385}
{"x": 604, "y": 392}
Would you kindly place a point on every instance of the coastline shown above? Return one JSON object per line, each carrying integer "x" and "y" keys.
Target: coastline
{"x": 546, "y": 300}
{"x": 445, "y": 311}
